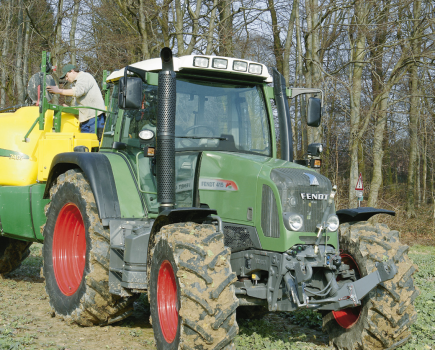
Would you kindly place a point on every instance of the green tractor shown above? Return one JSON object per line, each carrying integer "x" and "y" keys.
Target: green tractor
{"x": 187, "y": 201}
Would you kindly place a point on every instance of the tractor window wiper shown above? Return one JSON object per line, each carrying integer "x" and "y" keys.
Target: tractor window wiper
{"x": 203, "y": 137}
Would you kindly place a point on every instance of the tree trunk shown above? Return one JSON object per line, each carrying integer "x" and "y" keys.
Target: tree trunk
{"x": 194, "y": 15}
{"x": 179, "y": 20}
{"x": 299, "y": 82}
{"x": 225, "y": 28}
{"x": 378, "y": 153}
{"x": 278, "y": 50}
{"x": 357, "y": 56}
{"x": 19, "y": 55}
{"x": 418, "y": 177}
{"x": 26, "y": 52}
{"x": 72, "y": 32}
{"x": 380, "y": 103}
{"x": 164, "y": 23}
{"x": 4, "y": 60}
{"x": 413, "y": 115}
{"x": 313, "y": 63}
{"x": 212, "y": 24}
{"x": 56, "y": 46}
{"x": 424, "y": 155}
{"x": 288, "y": 43}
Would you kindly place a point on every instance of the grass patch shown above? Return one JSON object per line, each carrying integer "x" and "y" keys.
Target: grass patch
{"x": 281, "y": 331}
{"x": 421, "y": 249}
{"x": 423, "y": 330}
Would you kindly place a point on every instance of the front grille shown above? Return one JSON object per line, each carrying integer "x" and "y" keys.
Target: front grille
{"x": 291, "y": 184}
{"x": 238, "y": 237}
{"x": 269, "y": 213}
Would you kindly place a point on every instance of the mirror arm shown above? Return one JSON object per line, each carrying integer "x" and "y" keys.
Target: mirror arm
{"x": 293, "y": 92}
{"x": 139, "y": 72}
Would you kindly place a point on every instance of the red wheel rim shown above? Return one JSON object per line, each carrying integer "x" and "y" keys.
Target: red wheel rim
{"x": 69, "y": 249}
{"x": 347, "y": 318}
{"x": 167, "y": 301}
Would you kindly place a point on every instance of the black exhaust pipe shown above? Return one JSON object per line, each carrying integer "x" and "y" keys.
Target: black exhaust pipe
{"x": 165, "y": 152}
{"x": 285, "y": 128}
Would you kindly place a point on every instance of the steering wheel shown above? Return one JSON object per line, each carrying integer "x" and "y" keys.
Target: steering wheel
{"x": 186, "y": 143}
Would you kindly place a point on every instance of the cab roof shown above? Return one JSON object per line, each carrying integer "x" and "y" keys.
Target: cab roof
{"x": 203, "y": 65}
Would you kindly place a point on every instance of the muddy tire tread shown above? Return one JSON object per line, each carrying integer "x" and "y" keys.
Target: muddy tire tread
{"x": 110, "y": 306}
{"x": 14, "y": 254}
{"x": 388, "y": 311}
{"x": 195, "y": 247}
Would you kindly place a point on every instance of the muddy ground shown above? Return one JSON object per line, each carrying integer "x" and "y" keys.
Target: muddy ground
{"x": 26, "y": 321}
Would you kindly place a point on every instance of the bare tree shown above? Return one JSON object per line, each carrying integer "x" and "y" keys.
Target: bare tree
{"x": 413, "y": 110}
{"x": 5, "y": 48}
{"x": 19, "y": 54}
{"x": 357, "y": 37}
{"x": 72, "y": 32}
{"x": 225, "y": 28}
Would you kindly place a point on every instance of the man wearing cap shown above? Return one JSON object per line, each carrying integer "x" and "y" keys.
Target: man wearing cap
{"x": 87, "y": 93}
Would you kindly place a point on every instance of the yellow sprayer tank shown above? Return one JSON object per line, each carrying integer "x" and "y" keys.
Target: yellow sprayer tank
{"x": 25, "y": 163}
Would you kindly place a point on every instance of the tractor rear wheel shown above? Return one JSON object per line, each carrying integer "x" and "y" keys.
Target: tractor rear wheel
{"x": 76, "y": 256}
{"x": 386, "y": 314}
{"x": 192, "y": 299}
{"x": 12, "y": 253}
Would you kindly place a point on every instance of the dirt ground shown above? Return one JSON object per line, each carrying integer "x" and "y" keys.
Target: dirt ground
{"x": 26, "y": 321}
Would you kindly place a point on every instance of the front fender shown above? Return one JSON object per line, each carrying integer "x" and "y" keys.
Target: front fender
{"x": 360, "y": 214}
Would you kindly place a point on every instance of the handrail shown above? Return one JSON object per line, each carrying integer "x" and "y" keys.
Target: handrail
{"x": 30, "y": 130}
{"x": 57, "y": 117}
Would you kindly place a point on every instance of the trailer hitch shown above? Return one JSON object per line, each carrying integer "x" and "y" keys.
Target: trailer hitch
{"x": 350, "y": 294}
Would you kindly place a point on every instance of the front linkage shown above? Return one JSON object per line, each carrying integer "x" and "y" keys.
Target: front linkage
{"x": 303, "y": 273}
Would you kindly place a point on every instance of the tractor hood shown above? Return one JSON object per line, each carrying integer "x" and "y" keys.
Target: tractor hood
{"x": 258, "y": 191}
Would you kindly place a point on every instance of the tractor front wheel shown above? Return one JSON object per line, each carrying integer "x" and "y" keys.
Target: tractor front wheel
{"x": 76, "y": 256}
{"x": 192, "y": 299}
{"x": 386, "y": 314}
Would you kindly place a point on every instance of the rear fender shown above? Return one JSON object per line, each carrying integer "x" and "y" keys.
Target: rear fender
{"x": 98, "y": 171}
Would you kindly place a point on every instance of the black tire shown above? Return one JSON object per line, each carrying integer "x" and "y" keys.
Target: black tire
{"x": 387, "y": 312}
{"x": 12, "y": 254}
{"x": 202, "y": 289}
{"x": 81, "y": 295}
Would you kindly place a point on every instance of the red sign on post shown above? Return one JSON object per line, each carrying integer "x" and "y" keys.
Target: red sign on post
{"x": 359, "y": 185}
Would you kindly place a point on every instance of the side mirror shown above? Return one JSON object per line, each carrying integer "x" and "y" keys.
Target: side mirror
{"x": 130, "y": 93}
{"x": 314, "y": 114}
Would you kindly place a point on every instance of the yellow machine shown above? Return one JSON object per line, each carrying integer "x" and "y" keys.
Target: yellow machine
{"x": 25, "y": 161}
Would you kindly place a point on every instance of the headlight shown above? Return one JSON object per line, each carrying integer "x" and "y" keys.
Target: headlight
{"x": 146, "y": 135}
{"x": 293, "y": 222}
{"x": 200, "y": 62}
{"x": 332, "y": 223}
{"x": 220, "y": 63}
{"x": 255, "y": 68}
{"x": 240, "y": 66}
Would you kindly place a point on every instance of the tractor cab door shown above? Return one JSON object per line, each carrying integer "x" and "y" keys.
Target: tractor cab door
{"x": 145, "y": 118}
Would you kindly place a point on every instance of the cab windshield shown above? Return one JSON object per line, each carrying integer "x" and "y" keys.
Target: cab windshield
{"x": 209, "y": 116}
